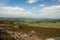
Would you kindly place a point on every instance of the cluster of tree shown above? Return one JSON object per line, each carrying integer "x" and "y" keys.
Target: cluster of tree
{"x": 23, "y": 20}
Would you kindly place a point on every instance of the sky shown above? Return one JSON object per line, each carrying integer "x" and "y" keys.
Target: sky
{"x": 30, "y": 8}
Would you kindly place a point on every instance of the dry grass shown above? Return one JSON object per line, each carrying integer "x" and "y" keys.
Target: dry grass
{"x": 43, "y": 32}
{"x": 45, "y": 24}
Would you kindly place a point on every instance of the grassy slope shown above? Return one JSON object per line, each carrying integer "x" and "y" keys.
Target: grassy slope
{"x": 42, "y": 32}
{"x": 43, "y": 29}
{"x": 45, "y": 24}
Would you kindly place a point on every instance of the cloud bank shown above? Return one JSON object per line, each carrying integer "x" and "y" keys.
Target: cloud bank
{"x": 31, "y": 1}
{"x": 50, "y": 12}
{"x": 14, "y": 12}
{"x": 45, "y": 12}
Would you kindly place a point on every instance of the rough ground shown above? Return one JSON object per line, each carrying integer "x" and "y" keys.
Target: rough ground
{"x": 24, "y": 32}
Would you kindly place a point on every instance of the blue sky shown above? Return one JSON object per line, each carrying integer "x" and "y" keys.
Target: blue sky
{"x": 30, "y": 8}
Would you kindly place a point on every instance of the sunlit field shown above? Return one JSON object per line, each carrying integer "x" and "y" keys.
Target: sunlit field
{"x": 45, "y": 24}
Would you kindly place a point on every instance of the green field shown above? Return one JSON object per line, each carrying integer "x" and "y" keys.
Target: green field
{"x": 45, "y": 24}
{"x": 50, "y": 23}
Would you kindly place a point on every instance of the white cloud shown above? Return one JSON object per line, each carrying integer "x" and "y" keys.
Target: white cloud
{"x": 50, "y": 12}
{"x": 57, "y": 0}
{"x": 42, "y": 5}
{"x": 34, "y": 8}
{"x": 31, "y": 1}
{"x": 14, "y": 12}
{"x": 45, "y": 12}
